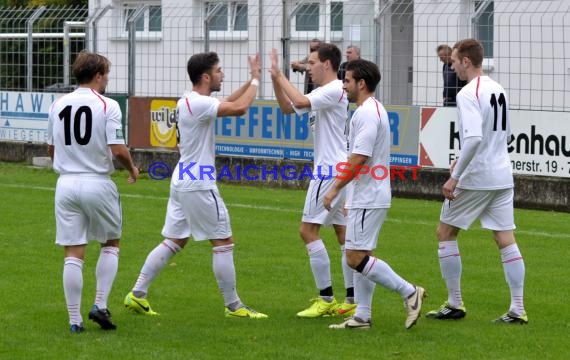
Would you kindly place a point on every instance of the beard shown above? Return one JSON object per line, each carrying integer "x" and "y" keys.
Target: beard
{"x": 216, "y": 87}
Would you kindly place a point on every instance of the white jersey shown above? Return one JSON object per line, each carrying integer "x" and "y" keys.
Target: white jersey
{"x": 331, "y": 106}
{"x": 81, "y": 125}
{"x": 197, "y": 144}
{"x": 483, "y": 110}
{"x": 370, "y": 136}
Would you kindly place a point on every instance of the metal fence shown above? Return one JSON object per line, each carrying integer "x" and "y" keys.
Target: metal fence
{"x": 35, "y": 45}
{"x": 526, "y": 43}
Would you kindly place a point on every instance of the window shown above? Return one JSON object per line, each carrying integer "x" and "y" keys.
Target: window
{"x": 149, "y": 23}
{"x": 484, "y": 25}
{"x": 307, "y": 17}
{"x": 336, "y": 16}
{"x": 317, "y": 19}
{"x": 228, "y": 17}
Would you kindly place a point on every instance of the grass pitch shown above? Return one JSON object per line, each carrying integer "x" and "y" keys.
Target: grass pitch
{"x": 274, "y": 277}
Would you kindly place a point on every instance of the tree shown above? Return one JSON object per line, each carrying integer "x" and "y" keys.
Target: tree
{"x": 36, "y": 3}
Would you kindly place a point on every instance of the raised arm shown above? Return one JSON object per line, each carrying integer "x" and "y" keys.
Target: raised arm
{"x": 240, "y": 100}
{"x": 287, "y": 94}
{"x": 275, "y": 71}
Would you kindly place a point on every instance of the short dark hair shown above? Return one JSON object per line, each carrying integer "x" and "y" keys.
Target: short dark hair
{"x": 365, "y": 70}
{"x": 88, "y": 64}
{"x": 470, "y": 48}
{"x": 315, "y": 41}
{"x": 330, "y": 52}
{"x": 444, "y": 47}
{"x": 201, "y": 63}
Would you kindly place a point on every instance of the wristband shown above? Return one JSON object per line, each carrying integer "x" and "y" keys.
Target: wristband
{"x": 254, "y": 82}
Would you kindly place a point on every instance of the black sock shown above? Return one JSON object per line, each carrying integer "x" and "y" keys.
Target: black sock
{"x": 326, "y": 292}
{"x": 362, "y": 264}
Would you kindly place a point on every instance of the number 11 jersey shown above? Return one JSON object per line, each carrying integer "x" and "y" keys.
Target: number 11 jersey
{"x": 483, "y": 111}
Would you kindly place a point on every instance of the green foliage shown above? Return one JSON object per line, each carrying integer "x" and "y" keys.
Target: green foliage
{"x": 36, "y": 3}
{"x": 47, "y": 54}
{"x": 273, "y": 276}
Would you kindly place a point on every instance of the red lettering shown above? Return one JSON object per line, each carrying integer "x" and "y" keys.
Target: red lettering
{"x": 361, "y": 169}
{"x": 343, "y": 168}
{"x": 414, "y": 171}
{"x": 397, "y": 170}
{"x": 384, "y": 172}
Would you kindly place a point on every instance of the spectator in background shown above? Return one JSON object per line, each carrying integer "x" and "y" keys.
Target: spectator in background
{"x": 301, "y": 66}
{"x": 451, "y": 83}
{"x": 352, "y": 53}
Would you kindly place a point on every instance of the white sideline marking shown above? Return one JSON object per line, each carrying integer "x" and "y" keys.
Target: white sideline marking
{"x": 278, "y": 209}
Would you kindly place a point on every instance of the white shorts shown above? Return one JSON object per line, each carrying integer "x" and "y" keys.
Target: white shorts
{"x": 363, "y": 228}
{"x": 86, "y": 208}
{"x": 314, "y": 211}
{"x": 201, "y": 214}
{"x": 494, "y": 208}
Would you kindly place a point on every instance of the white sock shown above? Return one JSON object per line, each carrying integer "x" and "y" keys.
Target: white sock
{"x": 363, "y": 293}
{"x": 347, "y": 271}
{"x": 320, "y": 264}
{"x": 225, "y": 273}
{"x": 155, "y": 262}
{"x": 105, "y": 273}
{"x": 513, "y": 264}
{"x": 450, "y": 265}
{"x": 381, "y": 273}
{"x": 72, "y": 287}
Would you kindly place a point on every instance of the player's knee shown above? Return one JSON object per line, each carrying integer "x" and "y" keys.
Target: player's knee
{"x": 445, "y": 232}
{"x": 114, "y": 243}
{"x": 308, "y": 233}
{"x": 354, "y": 258}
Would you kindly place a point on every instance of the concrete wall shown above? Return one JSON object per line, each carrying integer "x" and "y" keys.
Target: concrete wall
{"x": 531, "y": 192}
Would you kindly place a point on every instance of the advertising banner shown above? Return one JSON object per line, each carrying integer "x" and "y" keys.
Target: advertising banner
{"x": 264, "y": 131}
{"x": 163, "y": 123}
{"x": 24, "y": 116}
{"x": 539, "y": 143}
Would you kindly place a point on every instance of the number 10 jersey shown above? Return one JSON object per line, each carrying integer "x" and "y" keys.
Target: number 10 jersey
{"x": 81, "y": 125}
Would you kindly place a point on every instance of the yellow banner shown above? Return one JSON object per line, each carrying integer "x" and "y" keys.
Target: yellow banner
{"x": 163, "y": 123}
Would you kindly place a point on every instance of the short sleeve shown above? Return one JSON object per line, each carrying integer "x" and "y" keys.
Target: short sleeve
{"x": 365, "y": 132}
{"x": 50, "y": 125}
{"x": 114, "y": 126}
{"x": 205, "y": 108}
{"x": 326, "y": 96}
{"x": 470, "y": 112}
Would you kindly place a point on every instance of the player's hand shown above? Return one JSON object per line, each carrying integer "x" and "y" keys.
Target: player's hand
{"x": 274, "y": 57}
{"x": 255, "y": 66}
{"x": 329, "y": 197}
{"x": 133, "y": 175}
{"x": 449, "y": 188}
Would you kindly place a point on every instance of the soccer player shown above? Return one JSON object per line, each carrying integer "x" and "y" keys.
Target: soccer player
{"x": 329, "y": 103}
{"x": 195, "y": 207}
{"x": 369, "y": 199}
{"x": 84, "y": 133}
{"x": 480, "y": 185}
